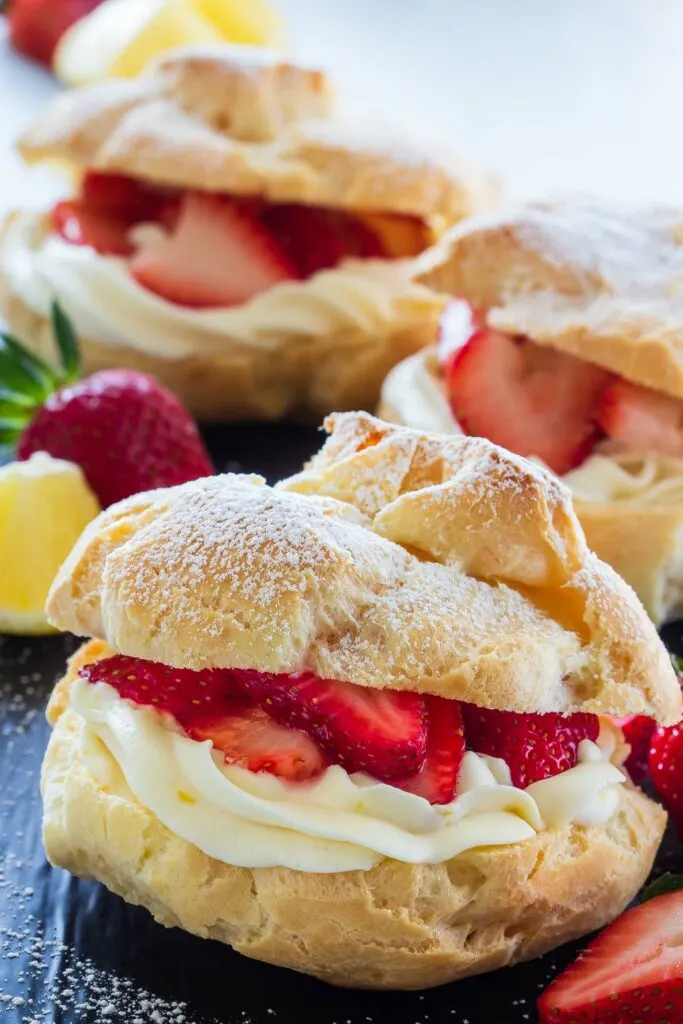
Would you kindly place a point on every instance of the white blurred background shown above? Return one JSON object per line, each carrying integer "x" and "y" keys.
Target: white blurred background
{"x": 554, "y": 94}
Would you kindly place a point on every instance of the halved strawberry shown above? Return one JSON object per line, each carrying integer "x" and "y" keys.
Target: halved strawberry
{"x": 642, "y": 419}
{"x": 314, "y": 238}
{"x": 381, "y": 732}
{"x": 533, "y": 746}
{"x": 120, "y": 196}
{"x": 436, "y": 780}
{"x": 78, "y": 224}
{"x": 526, "y": 397}
{"x": 250, "y": 738}
{"x": 631, "y": 974}
{"x": 217, "y": 255}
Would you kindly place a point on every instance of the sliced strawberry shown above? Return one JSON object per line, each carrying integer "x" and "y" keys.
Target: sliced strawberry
{"x": 631, "y": 974}
{"x": 179, "y": 692}
{"x": 642, "y": 419}
{"x": 250, "y": 738}
{"x": 80, "y": 225}
{"x": 217, "y": 255}
{"x": 437, "y": 778}
{"x": 381, "y": 732}
{"x": 533, "y": 746}
{"x": 525, "y": 397}
{"x": 637, "y": 730}
{"x": 122, "y": 197}
{"x": 211, "y": 705}
{"x": 315, "y": 238}
{"x": 666, "y": 768}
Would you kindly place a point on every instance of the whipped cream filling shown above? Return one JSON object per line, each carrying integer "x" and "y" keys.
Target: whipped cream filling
{"x": 413, "y": 390}
{"x": 337, "y": 822}
{"x": 628, "y": 478}
{"x": 107, "y": 305}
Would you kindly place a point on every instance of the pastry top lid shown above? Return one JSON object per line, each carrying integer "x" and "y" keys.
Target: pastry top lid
{"x": 246, "y": 121}
{"x": 599, "y": 280}
{"x": 395, "y": 559}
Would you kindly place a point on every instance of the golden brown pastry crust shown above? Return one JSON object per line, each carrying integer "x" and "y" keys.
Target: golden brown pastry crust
{"x": 397, "y": 926}
{"x": 229, "y": 120}
{"x": 601, "y": 282}
{"x": 395, "y": 559}
{"x": 301, "y": 377}
{"x": 643, "y": 543}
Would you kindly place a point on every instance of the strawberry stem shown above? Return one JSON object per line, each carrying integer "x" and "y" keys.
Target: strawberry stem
{"x": 22, "y": 372}
{"x": 27, "y": 380}
{"x": 65, "y": 336}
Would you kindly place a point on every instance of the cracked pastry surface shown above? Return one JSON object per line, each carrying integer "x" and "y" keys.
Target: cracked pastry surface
{"x": 601, "y": 284}
{"x": 394, "y": 559}
{"x": 236, "y": 123}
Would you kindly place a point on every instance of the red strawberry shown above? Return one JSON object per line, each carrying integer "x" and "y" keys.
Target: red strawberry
{"x": 437, "y": 779}
{"x": 314, "y": 238}
{"x": 631, "y": 974}
{"x": 125, "y": 431}
{"x": 250, "y": 738}
{"x": 36, "y": 26}
{"x": 525, "y": 397}
{"x": 533, "y": 746}
{"x": 381, "y": 732}
{"x": 642, "y": 419}
{"x": 666, "y": 768}
{"x": 117, "y": 195}
{"x": 210, "y": 705}
{"x": 217, "y": 255}
{"x": 637, "y": 730}
{"x": 180, "y": 692}
{"x": 80, "y": 225}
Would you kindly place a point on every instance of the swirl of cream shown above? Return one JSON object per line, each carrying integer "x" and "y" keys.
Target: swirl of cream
{"x": 108, "y": 305}
{"x": 628, "y": 478}
{"x": 337, "y": 822}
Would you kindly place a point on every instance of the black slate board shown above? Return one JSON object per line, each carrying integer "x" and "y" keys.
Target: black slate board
{"x": 72, "y": 952}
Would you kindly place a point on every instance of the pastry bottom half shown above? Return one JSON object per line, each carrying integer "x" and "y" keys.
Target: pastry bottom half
{"x": 396, "y": 926}
{"x": 304, "y": 378}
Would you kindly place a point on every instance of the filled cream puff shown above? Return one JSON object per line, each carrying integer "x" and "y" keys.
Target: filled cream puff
{"x": 568, "y": 347}
{"x": 230, "y": 235}
{"x": 355, "y": 724}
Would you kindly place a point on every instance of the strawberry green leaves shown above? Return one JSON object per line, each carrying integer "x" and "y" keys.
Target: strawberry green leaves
{"x": 27, "y": 380}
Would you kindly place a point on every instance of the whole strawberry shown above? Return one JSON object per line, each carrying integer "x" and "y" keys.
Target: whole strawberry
{"x": 36, "y": 26}
{"x": 125, "y": 431}
{"x": 666, "y": 768}
{"x": 637, "y": 730}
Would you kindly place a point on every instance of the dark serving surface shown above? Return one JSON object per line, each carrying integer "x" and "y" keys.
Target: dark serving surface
{"x": 70, "y": 951}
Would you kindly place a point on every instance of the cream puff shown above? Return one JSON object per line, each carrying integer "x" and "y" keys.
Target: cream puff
{"x": 353, "y": 724}
{"x": 230, "y": 235}
{"x": 568, "y": 347}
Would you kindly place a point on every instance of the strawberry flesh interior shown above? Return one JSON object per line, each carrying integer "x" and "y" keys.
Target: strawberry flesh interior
{"x": 537, "y": 401}
{"x": 633, "y": 971}
{"x": 294, "y": 726}
{"x": 216, "y": 250}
